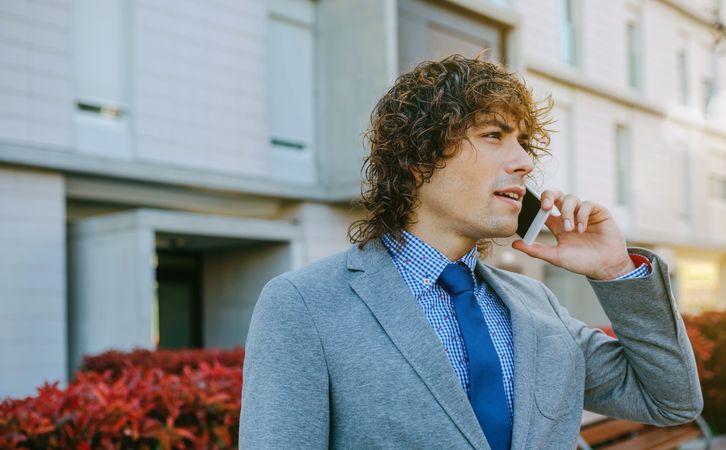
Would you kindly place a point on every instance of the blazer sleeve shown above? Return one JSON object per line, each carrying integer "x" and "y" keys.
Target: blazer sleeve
{"x": 285, "y": 377}
{"x": 649, "y": 373}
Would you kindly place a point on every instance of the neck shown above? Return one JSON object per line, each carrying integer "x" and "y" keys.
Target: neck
{"x": 450, "y": 244}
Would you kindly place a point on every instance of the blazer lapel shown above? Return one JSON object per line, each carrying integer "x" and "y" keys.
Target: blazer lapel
{"x": 385, "y": 293}
{"x": 524, "y": 351}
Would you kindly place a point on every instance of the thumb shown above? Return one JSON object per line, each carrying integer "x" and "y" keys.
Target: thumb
{"x": 537, "y": 250}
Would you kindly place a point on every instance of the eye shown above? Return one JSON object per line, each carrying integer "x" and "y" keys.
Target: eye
{"x": 493, "y": 134}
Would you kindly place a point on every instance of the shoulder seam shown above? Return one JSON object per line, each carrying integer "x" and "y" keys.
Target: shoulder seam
{"x": 312, "y": 319}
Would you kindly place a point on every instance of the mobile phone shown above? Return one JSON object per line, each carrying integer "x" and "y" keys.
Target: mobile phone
{"x": 532, "y": 217}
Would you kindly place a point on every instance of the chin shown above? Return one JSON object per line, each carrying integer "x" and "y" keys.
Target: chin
{"x": 503, "y": 231}
{"x": 496, "y": 232}
{"x": 504, "y": 234}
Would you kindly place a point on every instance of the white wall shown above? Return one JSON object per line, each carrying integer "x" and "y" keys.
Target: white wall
{"x": 603, "y": 41}
{"x": 32, "y": 281}
{"x": 36, "y": 100}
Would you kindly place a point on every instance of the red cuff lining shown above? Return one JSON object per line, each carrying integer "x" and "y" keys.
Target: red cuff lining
{"x": 638, "y": 260}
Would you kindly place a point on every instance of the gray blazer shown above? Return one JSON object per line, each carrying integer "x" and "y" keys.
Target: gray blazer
{"x": 340, "y": 355}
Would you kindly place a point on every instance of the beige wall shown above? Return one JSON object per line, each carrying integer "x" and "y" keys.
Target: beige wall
{"x": 700, "y": 279}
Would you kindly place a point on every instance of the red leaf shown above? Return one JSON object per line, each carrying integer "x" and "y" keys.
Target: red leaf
{"x": 223, "y": 434}
{"x": 164, "y": 439}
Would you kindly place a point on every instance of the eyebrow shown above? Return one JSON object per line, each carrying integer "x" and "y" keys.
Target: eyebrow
{"x": 505, "y": 127}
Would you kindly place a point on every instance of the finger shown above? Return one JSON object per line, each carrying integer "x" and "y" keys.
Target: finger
{"x": 583, "y": 215}
{"x": 537, "y": 250}
{"x": 554, "y": 224}
{"x": 568, "y": 205}
{"x": 549, "y": 197}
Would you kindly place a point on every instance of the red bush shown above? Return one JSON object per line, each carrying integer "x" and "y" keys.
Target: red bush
{"x": 707, "y": 332}
{"x": 169, "y": 361}
{"x": 136, "y": 407}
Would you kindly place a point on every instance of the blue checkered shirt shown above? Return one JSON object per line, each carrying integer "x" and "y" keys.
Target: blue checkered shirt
{"x": 420, "y": 266}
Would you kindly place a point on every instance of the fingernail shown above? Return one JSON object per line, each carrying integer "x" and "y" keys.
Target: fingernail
{"x": 546, "y": 203}
{"x": 568, "y": 224}
{"x": 580, "y": 227}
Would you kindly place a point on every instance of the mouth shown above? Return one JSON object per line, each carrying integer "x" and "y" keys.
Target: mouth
{"x": 512, "y": 195}
{"x": 510, "y": 201}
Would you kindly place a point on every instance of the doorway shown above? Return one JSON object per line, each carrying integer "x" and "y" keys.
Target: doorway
{"x": 178, "y": 300}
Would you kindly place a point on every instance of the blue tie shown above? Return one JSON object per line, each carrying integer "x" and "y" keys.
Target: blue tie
{"x": 486, "y": 395}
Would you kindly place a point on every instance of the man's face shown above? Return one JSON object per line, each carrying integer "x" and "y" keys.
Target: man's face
{"x": 464, "y": 199}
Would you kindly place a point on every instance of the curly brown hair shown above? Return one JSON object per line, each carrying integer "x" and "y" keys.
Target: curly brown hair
{"x": 425, "y": 113}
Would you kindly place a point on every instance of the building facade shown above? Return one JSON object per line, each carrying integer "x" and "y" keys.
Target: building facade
{"x": 161, "y": 160}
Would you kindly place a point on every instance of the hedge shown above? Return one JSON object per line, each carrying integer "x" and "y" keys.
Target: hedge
{"x": 169, "y": 361}
{"x": 707, "y": 332}
{"x": 136, "y": 406}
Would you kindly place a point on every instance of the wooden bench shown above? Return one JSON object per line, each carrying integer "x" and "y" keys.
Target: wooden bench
{"x": 604, "y": 433}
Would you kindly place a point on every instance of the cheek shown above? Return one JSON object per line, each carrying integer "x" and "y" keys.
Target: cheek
{"x": 463, "y": 185}
{"x": 470, "y": 196}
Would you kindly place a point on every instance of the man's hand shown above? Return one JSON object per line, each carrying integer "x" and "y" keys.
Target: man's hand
{"x": 589, "y": 241}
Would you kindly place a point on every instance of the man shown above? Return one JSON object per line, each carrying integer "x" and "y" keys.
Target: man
{"x": 407, "y": 341}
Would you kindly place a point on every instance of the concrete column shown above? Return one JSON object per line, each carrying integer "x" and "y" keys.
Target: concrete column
{"x": 233, "y": 280}
{"x": 112, "y": 278}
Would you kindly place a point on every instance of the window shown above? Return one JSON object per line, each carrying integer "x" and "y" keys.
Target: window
{"x": 427, "y": 30}
{"x": 101, "y": 75}
{"x": 569, "y": 33}
{"x": 710, "y": 86}
{"x": 443, "y": 41}
{"x": 291, "y": 88}
{"x": 290, "y": 53}
{"x": 622, "y": 165}
{"x": 682, "y": 71}
{"x": 709, "y": 91}
{"x": 634, "y": 55}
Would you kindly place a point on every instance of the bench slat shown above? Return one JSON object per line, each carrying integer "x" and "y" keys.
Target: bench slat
{"x": 609, "y": 429}
{"x": 659, "y": 438}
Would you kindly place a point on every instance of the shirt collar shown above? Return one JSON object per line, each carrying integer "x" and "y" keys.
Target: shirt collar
{"x": 422, "y": 261}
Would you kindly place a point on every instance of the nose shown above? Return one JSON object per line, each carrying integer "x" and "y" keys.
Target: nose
{"x": 521, "y": 163}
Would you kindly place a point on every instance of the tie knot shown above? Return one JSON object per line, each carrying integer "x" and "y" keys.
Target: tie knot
{"x": 456, "y": 278}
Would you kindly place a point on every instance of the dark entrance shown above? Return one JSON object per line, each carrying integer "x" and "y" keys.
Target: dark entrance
{"x": 179, "y": 296}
